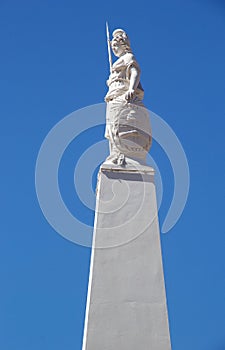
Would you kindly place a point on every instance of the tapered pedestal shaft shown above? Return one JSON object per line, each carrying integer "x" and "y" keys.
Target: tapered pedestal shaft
{"x": 126, "y": 304}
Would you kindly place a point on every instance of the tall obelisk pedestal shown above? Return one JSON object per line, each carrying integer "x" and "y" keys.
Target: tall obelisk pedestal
{"x": 126, "y": 305}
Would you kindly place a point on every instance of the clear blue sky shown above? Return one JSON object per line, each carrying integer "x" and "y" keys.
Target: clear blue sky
{"x": 54, "y": 61}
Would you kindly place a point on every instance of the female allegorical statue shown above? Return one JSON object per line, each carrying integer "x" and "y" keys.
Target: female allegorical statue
{"x": 127, "y": 120}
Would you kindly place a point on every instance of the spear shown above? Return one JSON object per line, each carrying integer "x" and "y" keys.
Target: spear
{"x": 109, "y": 47}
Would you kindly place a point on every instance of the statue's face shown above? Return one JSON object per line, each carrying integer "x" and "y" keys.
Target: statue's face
{"x": 118, "y": 48}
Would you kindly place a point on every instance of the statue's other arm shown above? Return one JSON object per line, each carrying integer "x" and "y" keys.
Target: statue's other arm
{"x": 134, "y": 77}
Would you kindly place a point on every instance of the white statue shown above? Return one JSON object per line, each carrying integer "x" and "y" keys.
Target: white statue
{"x": 127, "y": 120}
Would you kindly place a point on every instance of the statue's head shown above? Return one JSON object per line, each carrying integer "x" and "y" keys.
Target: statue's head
{"x": 120, "y": 42}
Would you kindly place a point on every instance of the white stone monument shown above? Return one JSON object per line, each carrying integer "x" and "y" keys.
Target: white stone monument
{"x": 126, "y": 303}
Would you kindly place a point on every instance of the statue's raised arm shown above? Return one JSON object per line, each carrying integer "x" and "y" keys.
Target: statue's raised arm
{"x": 127, "y": 120}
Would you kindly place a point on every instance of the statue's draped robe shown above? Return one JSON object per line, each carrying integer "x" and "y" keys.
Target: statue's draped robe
{"x": 127, "y": 124}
